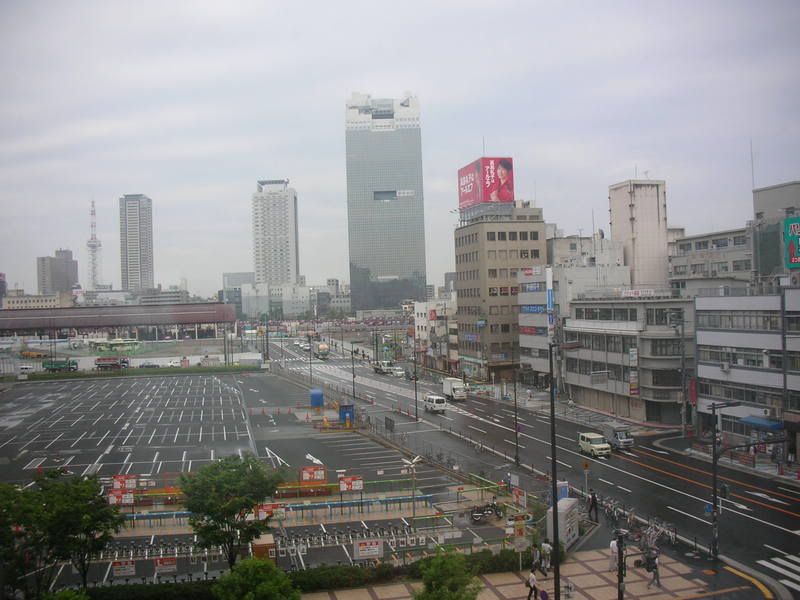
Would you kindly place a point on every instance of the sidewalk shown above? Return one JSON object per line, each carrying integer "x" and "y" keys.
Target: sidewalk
{"x": 587, "y": 571}
{"x": 764, "y": 469}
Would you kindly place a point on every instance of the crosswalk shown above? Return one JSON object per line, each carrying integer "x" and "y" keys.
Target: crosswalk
{"x": 787, "y": 566}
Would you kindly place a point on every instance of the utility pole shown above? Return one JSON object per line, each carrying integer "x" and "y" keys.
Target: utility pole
{"x": 516, "y": 412}
{"x": 620, "y": 565}
{"x": 416, "y": 398}
{"x": 352, "y": 366}
{"x": 310, "y": 356}
{"x": 554, "y": 477}
{"x": 678, "y": 323}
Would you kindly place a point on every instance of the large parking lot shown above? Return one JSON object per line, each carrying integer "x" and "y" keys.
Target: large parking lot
{"x": 156, "y": 426}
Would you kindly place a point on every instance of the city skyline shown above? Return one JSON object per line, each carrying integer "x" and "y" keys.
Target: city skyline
{"x": 679, "y": 100}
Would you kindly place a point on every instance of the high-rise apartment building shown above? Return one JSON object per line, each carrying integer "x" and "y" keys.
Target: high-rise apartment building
{"x": 275, "y": 237}
{"x": 57, "y": 273}
{"x": 491, "y": 249}
{"x": 385, "y": 204}
{"x": 136, "y": 241}
{"x": 638, "y": 212}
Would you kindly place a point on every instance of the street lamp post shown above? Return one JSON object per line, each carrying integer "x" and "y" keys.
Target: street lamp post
{"x": 714, "y": 460}
{"x": 679, "y": 327}
{"x": 352, "y": 367}
{"x": 554, "y": 477}
{"x": 516, "y": 419}
{"x": 310, "y": 356}
{"x": 412, "y": 464}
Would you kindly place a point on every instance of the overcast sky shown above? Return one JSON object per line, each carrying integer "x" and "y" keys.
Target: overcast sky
{"x": 191, "y": 103}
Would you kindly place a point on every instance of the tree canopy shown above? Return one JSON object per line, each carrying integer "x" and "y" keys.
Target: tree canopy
{"x": 447, "y": 577}
{"x": 255, "y": 579}
{"x": 222, "y": 496}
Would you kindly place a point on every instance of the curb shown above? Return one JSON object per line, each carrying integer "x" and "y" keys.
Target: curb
{"x": 734, "y": 466}
{"x": 777, "y": 588}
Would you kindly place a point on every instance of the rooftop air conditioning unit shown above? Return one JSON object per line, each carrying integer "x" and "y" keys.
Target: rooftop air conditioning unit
{"x": 725, "y": 367}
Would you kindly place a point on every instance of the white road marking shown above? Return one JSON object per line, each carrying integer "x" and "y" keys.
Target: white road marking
{"x": 54, "y": 440}
{"x": 78, "y": 440}
{"x": 767, "y": 497}
{"x": 685, "y": 514}
{"x": 784, "y": 572}
{"x": 779, "y": 487}
{"x": 476, "y": 429}
{"x": 605, "y": 481}
{"x": 563, "y": 464}
{"x": 513, "y": 443}
{"x": 657, "y": 451}
{"x": 775, "y": 549}
{"x": 624, "y": 489}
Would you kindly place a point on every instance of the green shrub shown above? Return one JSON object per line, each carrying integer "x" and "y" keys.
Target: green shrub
{"x": 255, "y": 579}
{"x": 196, "y": 590}
{"x": 67, "y": 595}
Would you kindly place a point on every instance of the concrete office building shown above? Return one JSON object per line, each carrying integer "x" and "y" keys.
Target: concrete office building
{"x": 275, "y": 237}
{"x": 57, "y": 273}
{"x": 232, "y": 288}
{"x": 629, "y": 359}
{"x": 491, "y": 249}
{"x": 17, "y": 299}
{"x": 385, "y": 203}
{"x": 638, "y": 216}
{"x": 434, "y": 321}
{"x": 3, "y": 285}
{"x": 569, "y": 282}
{"x": 285, "y": 301}
{"x": 584, "y": 251}
{"x": 771, "y": 205}
{"x": 748, "y": 351}
{"x": 716, "y": 261}
{"x": 136, "y": 241}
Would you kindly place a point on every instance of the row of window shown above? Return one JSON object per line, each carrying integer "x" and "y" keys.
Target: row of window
{"x": 664, "y": 316}
{"x": 463, "y": 240}
{"x": 503, "y": 291}
{"x": 716, "y": 267}
{"x": 503, "y": 255}
{"x": 756, "y": 320}
{"x": 511, "y": 236}
{"x": 603, "y": 343}
{"x": 605, "y": 314}
{"x": 749, "y": 357}
{"x": 738, "y": 240}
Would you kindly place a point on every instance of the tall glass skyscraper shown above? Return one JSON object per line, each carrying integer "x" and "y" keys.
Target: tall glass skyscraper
{"x": 385, "y": 204}
{"x": 136, "y": 241}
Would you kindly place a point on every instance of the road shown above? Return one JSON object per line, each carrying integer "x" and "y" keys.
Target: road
{"x": 760, "y": 521}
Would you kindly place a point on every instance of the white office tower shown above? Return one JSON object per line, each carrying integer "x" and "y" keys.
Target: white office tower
{"x": 136, "y": 241}
{"x": 275, "y": 238}
{"x": 638, "y": 212}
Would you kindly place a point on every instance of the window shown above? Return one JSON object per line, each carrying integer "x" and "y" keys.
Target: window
{"x": 741, "y": 265}
{"x": 514, "y": 290}
{"x": 503, "y": 273}
{"x": 740, "y": 240}
{"x": 523, "y": 254}
{"x": 719, "y": 267}
{"x": 523, "y": 236}
{"x": 665, "y": 347}
{"x": 505, "y": 328}
{"x": 513, "y": 273}
{"x": 684, "y": 247}
{"x": 491, "y": 236}
{"x": 534, "y": 235}
{"x": 492, "y": 255}
{"x": 699, "y": 269}
{"x": 492, "y": 274}
{"x": 579, "y": 314}
{"x": 606, "y": 314}
{"x": 513, "y": 255}
{"x": 534, "y": 253}
{"x": 573, "y": 246}
{"x": 503, "y": 255}
{"x": 679, "y": 269}
{"x": 599, "y": 342}
{"x": 501, "y": 236}
{"x": 493, "y": 291}
{"x": 667, "y": 377}
{"x": 661, "y": 316}
{"x": 614, "y": 343}
{"x": 512, "y": 236}
{"x": 504, "y": 291}
{"x": 720, "y": 243}
{"x": 701, "y": 245}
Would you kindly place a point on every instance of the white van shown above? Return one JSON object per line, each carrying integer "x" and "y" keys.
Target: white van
{"x": 25, "y": 369}
{"x": 593, "y": 444}
{"x": 435, "y": 404}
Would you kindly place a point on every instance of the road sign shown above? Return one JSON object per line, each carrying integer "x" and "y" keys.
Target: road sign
{"x": 119, "y": 497}
{"x": 708, "y": 508}
{"x": 167, "y": 564}
{"x": 586, "y": 465}
{"x": 123, "y": 568}
{"x": 313, "y": 474}
{"x": 124, "y": 482}
{"x": 351, "y": 483}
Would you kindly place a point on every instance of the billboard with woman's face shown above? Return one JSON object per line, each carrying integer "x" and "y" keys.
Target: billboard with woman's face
{"x": 486, "y": 180}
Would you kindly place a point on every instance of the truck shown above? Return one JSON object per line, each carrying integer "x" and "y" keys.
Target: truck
{"x": 383, "y": 367}
{"x": 33, "y": 354}
{"x": 453, "y": 389}
{"x": 320, "y": 350}
{"x": 111, "y": 363}
{"x": 59, "y": 365}
{"x": 618, "y": 435}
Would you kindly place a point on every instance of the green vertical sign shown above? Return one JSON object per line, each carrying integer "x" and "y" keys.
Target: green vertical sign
{"x": 791, "y": 242}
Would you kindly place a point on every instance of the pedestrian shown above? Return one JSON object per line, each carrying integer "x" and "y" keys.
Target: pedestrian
{"x": 547, "y": 551}
{"x": 652, "y": 566}
{"x": 530, "y": 583}
{"x": 536, "y": 557}
{"x": 613, "y": 558}
{"x": 593, "y": 505}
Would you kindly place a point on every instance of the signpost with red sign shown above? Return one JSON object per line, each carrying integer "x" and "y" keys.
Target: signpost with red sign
{"x": 123, "y": 568}
{"x": 351, "y": 483}
{"x": 313, "y": 474}
{"x": 166, "y": 564}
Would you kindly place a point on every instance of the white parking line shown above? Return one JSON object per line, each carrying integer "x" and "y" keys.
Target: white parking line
{"x": 54, "y": 440}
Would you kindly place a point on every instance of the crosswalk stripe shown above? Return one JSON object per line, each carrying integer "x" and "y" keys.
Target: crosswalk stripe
{"x": 790, "y": 584}
{"x": 784, "y": 572}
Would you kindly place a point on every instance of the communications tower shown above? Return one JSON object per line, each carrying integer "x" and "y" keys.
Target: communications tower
{"x": 94, "y": 246}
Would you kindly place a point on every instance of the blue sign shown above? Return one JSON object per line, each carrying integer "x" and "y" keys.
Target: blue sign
{"x": 536, "y": 309}
{"x": 708, "y": 508}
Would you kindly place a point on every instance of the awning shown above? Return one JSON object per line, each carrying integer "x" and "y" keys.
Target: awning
{"x": 761, "y": 423}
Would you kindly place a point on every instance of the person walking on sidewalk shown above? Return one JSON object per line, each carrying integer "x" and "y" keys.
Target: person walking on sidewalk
{"x": 536, "y": 559}
{"x": 530, "y": 583}
{"x": 547, "y": 551}
{"x": 651, "y": 565}
{"x": 613, "y": 558}
{"x": 593, "y": 505}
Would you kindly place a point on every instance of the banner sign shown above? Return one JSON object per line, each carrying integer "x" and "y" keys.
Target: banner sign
{"x": 351, "y": 483}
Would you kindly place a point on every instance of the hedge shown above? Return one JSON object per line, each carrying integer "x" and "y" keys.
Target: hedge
{"x": 342, "y": 576}
{"x": 194, "y": 590}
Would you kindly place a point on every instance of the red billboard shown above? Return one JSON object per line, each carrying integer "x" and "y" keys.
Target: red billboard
{"x": 486, "y": 180}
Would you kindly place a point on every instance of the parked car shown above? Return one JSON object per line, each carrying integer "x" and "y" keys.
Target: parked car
{"x": 149, "y": 365}
{"x": 174, "y": 363}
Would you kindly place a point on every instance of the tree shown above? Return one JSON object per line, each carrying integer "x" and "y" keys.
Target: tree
{"x": 255, "y": 579}
{"x": 90, "y": 522}
{"x": 446, "y": 577}
{"x": 222, "y": 495}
